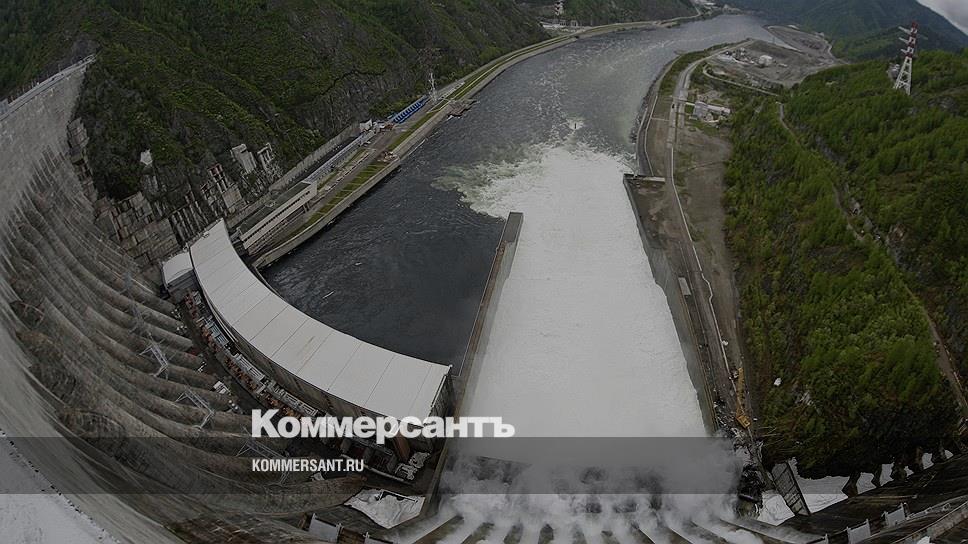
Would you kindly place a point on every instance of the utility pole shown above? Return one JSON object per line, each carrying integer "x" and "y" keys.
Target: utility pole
{"x": 903, "y": 80}
{"x": 433, "y": 88}
{"x": 427, "y": 58}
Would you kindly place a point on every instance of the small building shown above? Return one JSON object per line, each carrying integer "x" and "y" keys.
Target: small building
{"x": 244, "y": 157}
{"x": 267, "y": 156}
{"x": 709, "y": 112}
{"x": 700, "y": 110}
{"x": 764, "y": 60}
{"x": 178, "y": 275}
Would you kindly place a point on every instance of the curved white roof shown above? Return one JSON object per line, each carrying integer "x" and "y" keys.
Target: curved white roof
{"x": 368, "y": 376}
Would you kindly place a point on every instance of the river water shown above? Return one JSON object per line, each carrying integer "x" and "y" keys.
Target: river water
{"x": 583, "y": 342}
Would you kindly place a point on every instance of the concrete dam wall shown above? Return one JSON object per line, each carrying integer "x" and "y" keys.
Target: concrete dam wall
{"x": 97, "y": 367}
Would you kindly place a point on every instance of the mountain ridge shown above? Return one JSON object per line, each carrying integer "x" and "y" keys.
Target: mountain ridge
{"x": 862, "y": 29}
{"x": 599, "y": 12}
{"x": 190, "y": 80}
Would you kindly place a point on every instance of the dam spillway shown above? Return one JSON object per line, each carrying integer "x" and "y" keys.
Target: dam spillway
{"x": 91, "y": 350}
{"x": 582, "y": 343}
{"x": 78, "y": 303}
{"x": 581, "y": 314}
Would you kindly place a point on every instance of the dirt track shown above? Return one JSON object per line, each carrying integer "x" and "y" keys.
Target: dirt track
{"x": 684, "y": 215}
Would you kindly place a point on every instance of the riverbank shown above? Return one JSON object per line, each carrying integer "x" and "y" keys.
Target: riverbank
{"x": 382, "y": 159}
{"x": 689, "y": 260}
{"x": 683, "y": 146}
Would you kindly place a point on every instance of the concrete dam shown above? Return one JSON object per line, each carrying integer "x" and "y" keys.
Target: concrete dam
{"x": 90, "y": 350}
{"x": 134, "y": 404}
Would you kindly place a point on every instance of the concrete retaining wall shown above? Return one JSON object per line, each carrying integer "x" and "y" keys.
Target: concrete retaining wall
{"x": 465, "y": 377}
{"x": 310, "y": 160}
{"x": 664, "y": 270}
{"x": 279, "y": 251}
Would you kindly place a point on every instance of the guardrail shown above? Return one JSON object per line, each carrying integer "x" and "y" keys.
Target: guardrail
{"x": 27, "y": 92}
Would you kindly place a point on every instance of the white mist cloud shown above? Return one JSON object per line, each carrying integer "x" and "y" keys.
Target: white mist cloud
{"x": 583, "y": 345}
{"x": 955, "y": 11}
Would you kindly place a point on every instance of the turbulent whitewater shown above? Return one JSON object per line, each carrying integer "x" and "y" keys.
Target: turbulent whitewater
{"x": 583, "y": 343}
{"x": 405, "y": 268}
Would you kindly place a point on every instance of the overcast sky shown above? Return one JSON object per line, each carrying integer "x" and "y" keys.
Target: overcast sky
{"x": 955, "y": 10}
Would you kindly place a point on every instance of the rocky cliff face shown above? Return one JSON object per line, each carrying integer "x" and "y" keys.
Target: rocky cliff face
{"x": 193, "y": 109}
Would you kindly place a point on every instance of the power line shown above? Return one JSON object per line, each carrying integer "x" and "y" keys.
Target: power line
{"x": 903, "y": 81}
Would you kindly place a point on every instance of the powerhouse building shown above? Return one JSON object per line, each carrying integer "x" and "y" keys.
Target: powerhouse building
{"x": 331, "y": 371}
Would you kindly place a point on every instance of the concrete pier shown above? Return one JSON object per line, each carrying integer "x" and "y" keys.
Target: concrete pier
{"x": 464, "y": 377}
{"x": 500, "y": 268}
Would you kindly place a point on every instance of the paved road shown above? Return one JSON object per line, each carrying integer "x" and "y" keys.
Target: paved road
{"x": 34, "y": 91}
{"x": 677, "y": 119}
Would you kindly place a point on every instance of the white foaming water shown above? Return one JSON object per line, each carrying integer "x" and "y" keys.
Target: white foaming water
{"x": 582, "y": 345}
{"x": 568, "y": 514}
{"x": 583, "y": 342}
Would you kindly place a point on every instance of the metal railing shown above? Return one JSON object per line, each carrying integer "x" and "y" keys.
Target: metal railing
{"x": 25, "y": 93}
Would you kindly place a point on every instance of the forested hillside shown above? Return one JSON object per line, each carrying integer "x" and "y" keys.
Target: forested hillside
{"x": 863, "y": 29}
{"x": 907, "y": 164}
{"x": 827, "y": 307}
{"x": 188, "y": 79}
{"x": 600, "y": 12}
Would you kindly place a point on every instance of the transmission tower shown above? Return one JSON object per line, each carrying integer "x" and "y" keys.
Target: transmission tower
{"x": 903, "y": 80}
{"x": 433, "y": 88}
{"x": 427, "y": 59}
{"x": 155, "y": 351}
{"x": 199, "y": 402}
{"x": 258, "y": 449}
